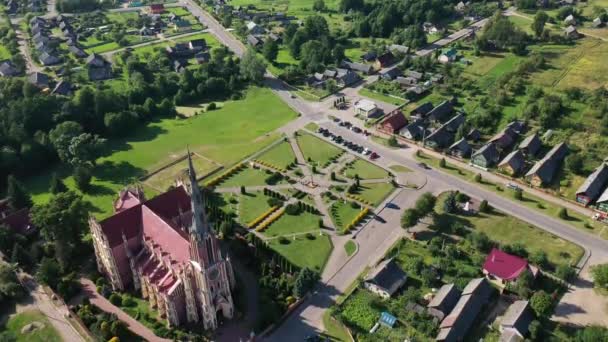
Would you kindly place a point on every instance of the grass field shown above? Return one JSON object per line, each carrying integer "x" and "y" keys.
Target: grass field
{"x": 316, "y": 149}
{"x": 226, "y": 135}
{"x": 143, "y": 51}
{"x": 252, "y": 205}
{"x": 343, "y": 213}
{"x": 506, "y": 229}
{"x": 381, "y": 97}
{"x": 18, "y": 321}
{"x": 365, "y": 170}
{"x": 292, "y": 224}
{"x": 165, "y": 178}
{"x": 246, "y": 177}
{"x": 399, "y": 168}
{"x": 305, "y": 252}
{"x": 375, "y": 192}
{"x": 196, "y": 108}
{"x": 280, "y": 156}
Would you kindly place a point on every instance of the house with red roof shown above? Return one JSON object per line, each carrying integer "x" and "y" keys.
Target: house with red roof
{"x": 165, "y": 248}
{"x": 502, "y": 268}
{"x": 394, "y": 122}
{"x": 157, "y": 9}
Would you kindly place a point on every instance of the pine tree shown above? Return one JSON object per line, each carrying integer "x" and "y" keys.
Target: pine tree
{"x": 57, "y": 185}
{"x": 18, "y": 197}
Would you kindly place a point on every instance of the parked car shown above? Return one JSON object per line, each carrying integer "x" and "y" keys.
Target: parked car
{"x": 374, "y": 155}
{"x": 347, "y": 124}
{"x": 424, "y": 166}
{"x": 513, "y": 186}
{"x": 357, "y": 129}
{"x": 337, "y": 120}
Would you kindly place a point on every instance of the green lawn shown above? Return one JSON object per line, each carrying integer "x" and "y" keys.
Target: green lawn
{"x": 316, "y": 149}
{"x": 246, "y": 177}
{"x": 280, "y": 156}
{"x": 375, "y": 192}
{"x": 365, "y": 170}
{"x": 350, "y": 247}
{"x": 335, "y": 330}
{"x": 166, "y": 178}
{"x": 293, "y": 224}
{"x": 18, "y": 321}
{"x": 381, "y": 97}
{"x": 506, "y": 229}
{"x": 252, "y": 205}
{"x": 305, "y": 252}
{"x": 343, "y": 213}
{"x": 226, "y": 141}
{"x": 4, "y": 53}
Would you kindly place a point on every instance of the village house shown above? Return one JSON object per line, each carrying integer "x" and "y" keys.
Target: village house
{"x": 98, "y": 68}
{"x": 597, "y": 22}
{"x": 62, "y": 88}
{"x": 570, "y": 20}
{"x": 571, "y": 32}
{"x": 474, "y": 135}
{"x": 475, "y": 295}
{"x": 48, "y": 59}
{"x": 530, "y": 145}
{"x": 253, "y": 41}
{"x": 197, "y": 45}
{"x": 181, "y": 26}
{"x": 7, "y": 69}
{"x": 202, "y": 57}
{"x": 602, "y": 202}
{"x": 422, "y": 110}
{"x": 156, "y": 9}
{"x": 413, "y": 131}
{"x": 39, "y": 80}
{"x": 429, "y": 28}
{"x": 444, "y": 135}
{"x": 513, "y": 164}
{"x": 515, "y": 322}
{"x": 385, "y": 279}
{"x": 443, "y": 301}
{"x": 385, "y": 60}
{"x": 486, "y": 157}
{"x": 369, "y": 56}
{"x": 460, "y": 149}
{"x": 593, "y": 185}
{"x": 255, "y": 29}
{"x": 441, "y": 112}
{"x": 501, "y": 268}
{"x": 394, "y": 122}
{"x": 399, "y": 49}
{"x": 360, "y": 67}
{"x": 77, "y": 52}
{"x": 504, "y": 139}
{"x": 448, "y": 55}
{"x": 366, "y": 108}
{"x": 406, "y": 82}
{"x": 544, "y": 170}
{"x": 390, "y": 74}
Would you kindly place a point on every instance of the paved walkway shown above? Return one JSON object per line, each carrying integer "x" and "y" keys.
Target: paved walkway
{"x": 90, "y": 292}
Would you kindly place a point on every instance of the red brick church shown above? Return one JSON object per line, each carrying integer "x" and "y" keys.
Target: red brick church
{"x": 165, "y": 248}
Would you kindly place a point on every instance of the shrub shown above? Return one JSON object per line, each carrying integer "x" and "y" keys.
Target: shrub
{"x": 355, "y": 205}
{"x": 211, "y": 106}
{"x": 563, "y": 214}
{"x": 565, "y": 272}
{"x": 484, "y": 207}
{"x": 309, "y": 236}
{"x": 321, "y": 225}
{"x": 128, "y": 301}
{"x": 461, "y": 198}
{"x": 115, "y": 299}
{"x": 518, "y": 194}
{"x": 243, "y": 191}
{"x": 283, "y": 240}
{"x": 478, "y": 177}
{"x": 275, "y": 202}
{"x": 442, "y": 163}
{"x": 292, "y": 209}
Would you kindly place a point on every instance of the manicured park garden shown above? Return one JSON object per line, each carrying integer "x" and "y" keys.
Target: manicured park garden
{"x": 310, "y": 251}
{"x": 364, "y": 170}
{"x": 280, "y": 156}
{"x": 317, "y": 150}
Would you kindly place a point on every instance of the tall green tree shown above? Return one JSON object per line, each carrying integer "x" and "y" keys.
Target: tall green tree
{"x": 542, "y": 303}
{"x": 304, "y": 282}
{"x": 270, "y": 50}
{"x": 17, "y": 196}
{"x": 600, "y": 275}
{"x": 57, "y": 185}
{"x": 538, "y": 25}
{"x": 62, "y": 221}
{"x": 252, "y": 67}
{"x": 10, "y": 288}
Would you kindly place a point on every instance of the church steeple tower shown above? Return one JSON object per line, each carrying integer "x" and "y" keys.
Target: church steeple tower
{"x": 200, "y": 225}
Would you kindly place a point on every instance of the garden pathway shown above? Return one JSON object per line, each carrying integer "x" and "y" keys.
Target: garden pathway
{"x": 300, "y": 157}
{"x": 90, "y": 292}
{"x": 237, "y": 189}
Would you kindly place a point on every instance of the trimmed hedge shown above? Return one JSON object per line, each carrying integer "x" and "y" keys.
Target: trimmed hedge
{"x": 356, "y": 220}
{"x": 270, "y": 220}
{"x": 261, "y": 218}
{"x": 225, "y": 175}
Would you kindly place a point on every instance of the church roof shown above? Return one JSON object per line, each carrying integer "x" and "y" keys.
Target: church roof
{"x": 155, "y": 219}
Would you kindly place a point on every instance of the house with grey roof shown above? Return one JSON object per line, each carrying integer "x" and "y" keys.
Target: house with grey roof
{"x": 515, "y": 322}
{"x": 62, "y": 88}
{"x": 385, "y": 279}
{"x": 456, "y": 325}
{"x": 395, "y": 48}
{"x": 474, "y": 134}
{"x": 39, "y": 79}
{"x": 460, "y": 148}
{"x": 504, "y": 139}
{"x": 513, "y": 164}
{"x": 602, "y": 202}
{"x": 441, "y": 112}
{"x": 413, "y": 131}
{"x": 390, "y": 74}
{"x": 593, "y": 185}
{"x": 47, "y": 59}
{"x": 487, "y": 156}
{"x": 597, "y": 22}
{"x": 544, "y": 170}
{"x": 571, "y": 32}
{"x": 422, "y": 110}
{"x": 7, "y": 69}
{"x": 360, "y": 67}
{"x": 530, "y": 145}
{"x": 98, "y": 68}
{"x": 444, "y": 301}
{"x": 77, "y": 52}
{"x": 439, "y": 138}
{"x": 253, "y": 41}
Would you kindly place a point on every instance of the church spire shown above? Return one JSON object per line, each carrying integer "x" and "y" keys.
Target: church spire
{"x": 199, "y": 217}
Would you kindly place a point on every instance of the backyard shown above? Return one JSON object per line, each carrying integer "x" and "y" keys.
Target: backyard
{"x": 159, "y": 143}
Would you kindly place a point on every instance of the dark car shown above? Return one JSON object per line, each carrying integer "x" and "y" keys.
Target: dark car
{"x": 424, "y": 166}
{"x": 357, "y": 129}
{"x": 347, "y": 124}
